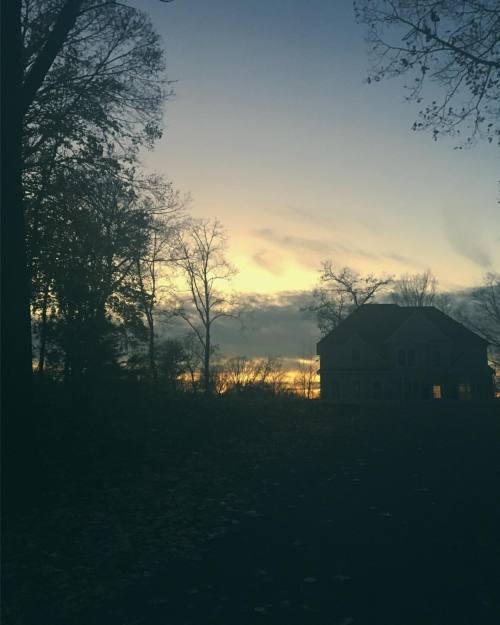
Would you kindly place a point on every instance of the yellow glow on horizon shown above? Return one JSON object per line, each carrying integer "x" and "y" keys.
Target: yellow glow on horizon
{"x": 254, "y": 279}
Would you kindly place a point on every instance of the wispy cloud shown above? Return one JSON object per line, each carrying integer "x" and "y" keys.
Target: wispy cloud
{"x": 269, "y": 260}
{"x": 402, "y": 260}
{"x": 310, "y": 251}
{"x": 305, "y": 214}
{"x": 463, "y": 241}
{"x": 318, "y": 246}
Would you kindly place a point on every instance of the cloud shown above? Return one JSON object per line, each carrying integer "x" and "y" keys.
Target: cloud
{"x": 403, "y": 260}
{"x": 304, "y": 214}
{"x": 270, "y": 261}
{"x": 311, "y": 251}
{"x": 463, "y": 241}
{"x": 321, "y": 246}
{"x": 273, "y": 325}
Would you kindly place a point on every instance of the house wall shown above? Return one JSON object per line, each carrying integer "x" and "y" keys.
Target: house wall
{"x": 405, "y": 369}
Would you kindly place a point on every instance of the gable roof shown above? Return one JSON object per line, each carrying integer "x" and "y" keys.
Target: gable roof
{"x": 376, "y": 323}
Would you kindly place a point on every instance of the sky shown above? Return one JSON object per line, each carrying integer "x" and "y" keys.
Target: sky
{"x": 274, "y": 131}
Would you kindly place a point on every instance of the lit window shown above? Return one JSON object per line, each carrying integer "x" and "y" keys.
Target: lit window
{"x": 436, "y": 391}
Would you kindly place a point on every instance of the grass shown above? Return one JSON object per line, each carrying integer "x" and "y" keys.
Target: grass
{"x": 159, "y": 512}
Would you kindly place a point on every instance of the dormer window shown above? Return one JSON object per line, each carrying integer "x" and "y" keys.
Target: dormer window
{"x": 355, "y": 356}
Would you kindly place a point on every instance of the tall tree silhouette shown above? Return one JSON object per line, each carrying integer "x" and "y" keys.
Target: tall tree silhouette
{"x": 165, "y": 207}
{"x": 76, "y": 74}
{"x": 96, "y": 230}
{"x": 201, "y": 258}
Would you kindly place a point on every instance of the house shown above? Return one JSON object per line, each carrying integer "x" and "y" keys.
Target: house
{"x": 386, "y": 352}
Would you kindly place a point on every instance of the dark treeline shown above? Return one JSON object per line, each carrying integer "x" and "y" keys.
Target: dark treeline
{"x": 84, "y": 91}
{"x": 91, "y": 243}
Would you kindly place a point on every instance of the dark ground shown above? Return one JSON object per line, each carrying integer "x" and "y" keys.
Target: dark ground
{"x": 240, "y": 512}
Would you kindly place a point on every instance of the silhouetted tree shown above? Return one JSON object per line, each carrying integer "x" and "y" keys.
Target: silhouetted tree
{"x": 306, "y": 379}
{"x": 193, "y": 354}
{"x": 485, "y": 317}
{"x": 420, "y": 289}
{"x": 97, "y": 228}
{"x": 172, "y": 364}
{"x": 80, "y": 76}
{"x": 165, "y": 208}
{"x": 201, "y": 259}
{"x": 453, "y": 44}
{"x": 241, "y": 375}
{"x": 340, "y": 292}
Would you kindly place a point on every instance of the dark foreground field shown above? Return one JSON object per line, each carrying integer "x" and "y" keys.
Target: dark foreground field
{"x": 234, "y": 512}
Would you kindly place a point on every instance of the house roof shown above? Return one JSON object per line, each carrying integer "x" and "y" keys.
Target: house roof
{"x": 376, "y": 323}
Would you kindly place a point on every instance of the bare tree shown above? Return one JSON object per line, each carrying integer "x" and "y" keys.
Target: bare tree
{"x": 201, "y": 259}
{"x": 454, "y": 44}
{"x": 193, "y": 352}
{"x": 417, "y": 289}
{"x": 276, "y": 375}
{"x": 305, "y": 381}
{"x": 241, "y": 374}
{"x": 421, "y": 289}
{"x": 165, "y": 207}
{"x": 342, "y": 291}
{"x": 485, "y": 317}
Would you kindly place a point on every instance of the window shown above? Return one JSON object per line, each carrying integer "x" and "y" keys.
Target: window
{"x": 377, "y": 390}
{"x": 356, "y": 355}
{"x": 402, "y": 358}
{"x": 411, "y": 358}
{"x": 407, "y": 389}
{"x": 356, "y": 388}
{"x": 465, "y": 391}
{"x": 436, "y": 391}
{"x": 407, "y": 357}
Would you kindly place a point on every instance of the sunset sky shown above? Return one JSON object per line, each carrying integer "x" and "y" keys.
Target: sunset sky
{"x": 274, "y": 131}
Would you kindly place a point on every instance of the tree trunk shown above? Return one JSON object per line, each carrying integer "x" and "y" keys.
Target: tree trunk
{"x": 16, "y": 328}
{"x": 19, "y": 450}
{"x": 206, "y": 364}
{"x": 43, "y": 332}
{"x": 152, "y": 346}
